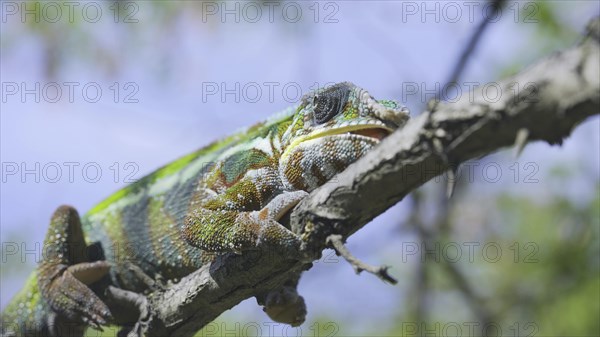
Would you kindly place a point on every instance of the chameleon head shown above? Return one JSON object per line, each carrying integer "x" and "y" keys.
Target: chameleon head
{"x": 331, "y": 128}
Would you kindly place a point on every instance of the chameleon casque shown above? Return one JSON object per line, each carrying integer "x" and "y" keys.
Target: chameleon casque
{"x": 227, "y": 197}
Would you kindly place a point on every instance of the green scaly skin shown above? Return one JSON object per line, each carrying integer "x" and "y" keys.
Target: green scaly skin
{"x": 226, "y": 197}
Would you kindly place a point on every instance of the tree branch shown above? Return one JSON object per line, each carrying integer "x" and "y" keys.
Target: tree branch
{"x": 548, "y": 100}
{"x": 380, "y": 271}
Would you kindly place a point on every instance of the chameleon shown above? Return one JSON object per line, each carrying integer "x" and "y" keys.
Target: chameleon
{"x": 226, "y": 198}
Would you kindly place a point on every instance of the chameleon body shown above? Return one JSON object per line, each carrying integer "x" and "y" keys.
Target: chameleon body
{"x": 226, "y": 197}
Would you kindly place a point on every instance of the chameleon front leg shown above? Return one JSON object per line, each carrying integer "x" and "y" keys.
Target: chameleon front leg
{"x": 224, "y": 230}
{"x": 64, "y": 272}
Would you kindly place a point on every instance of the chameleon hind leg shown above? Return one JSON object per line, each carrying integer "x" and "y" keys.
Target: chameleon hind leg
{"x": 64, "y": 272}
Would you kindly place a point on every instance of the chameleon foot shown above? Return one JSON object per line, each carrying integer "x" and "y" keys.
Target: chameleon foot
{"x": 64, "y": 273}
{"x": 284, "y": 305}
{"x": 67, "y": 293}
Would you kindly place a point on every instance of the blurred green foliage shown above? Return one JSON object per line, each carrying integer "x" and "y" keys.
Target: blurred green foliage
{"x": 546, "y": 281}
{"x": 550, "y": 34}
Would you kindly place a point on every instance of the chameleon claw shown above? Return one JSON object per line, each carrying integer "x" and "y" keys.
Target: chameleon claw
{"x": 94, "y": 322}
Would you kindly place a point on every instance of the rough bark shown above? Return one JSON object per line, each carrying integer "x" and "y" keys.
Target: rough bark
{"x": 553, "y": 96}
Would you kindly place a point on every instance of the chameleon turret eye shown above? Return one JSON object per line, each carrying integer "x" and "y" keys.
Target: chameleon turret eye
{"x": 330, "y": 102}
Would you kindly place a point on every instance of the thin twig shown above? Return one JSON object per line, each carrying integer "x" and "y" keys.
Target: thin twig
{"x": 380, "y": 271}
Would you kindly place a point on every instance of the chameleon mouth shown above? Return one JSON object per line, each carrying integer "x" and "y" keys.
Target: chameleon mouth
{"x": 376, "y": 133}
{"x": 372, "y": 132}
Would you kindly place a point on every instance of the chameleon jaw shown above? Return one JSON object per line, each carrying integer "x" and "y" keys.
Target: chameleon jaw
{"x": 374, "y": 132}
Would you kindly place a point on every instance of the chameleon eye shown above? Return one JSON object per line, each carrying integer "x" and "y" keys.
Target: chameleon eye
{"x": 330, "y": 102}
